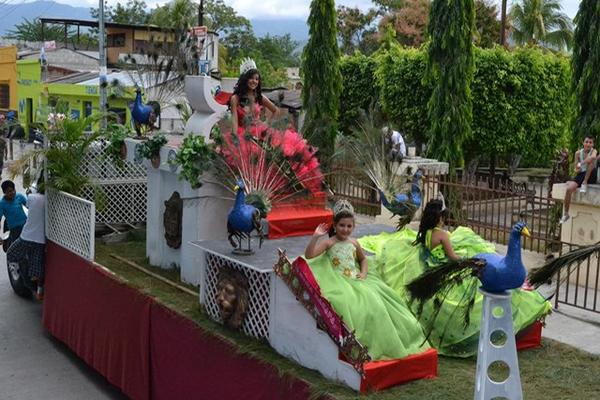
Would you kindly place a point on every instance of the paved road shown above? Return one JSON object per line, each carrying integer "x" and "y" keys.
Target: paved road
{"x": 33, "y": 365}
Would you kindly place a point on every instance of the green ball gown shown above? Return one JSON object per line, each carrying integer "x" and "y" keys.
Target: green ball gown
{"x": 380, "y": 318}
{"x": 399, "y": 262}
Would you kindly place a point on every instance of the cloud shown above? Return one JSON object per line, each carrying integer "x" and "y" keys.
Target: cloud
{"x": 270, "y": 9}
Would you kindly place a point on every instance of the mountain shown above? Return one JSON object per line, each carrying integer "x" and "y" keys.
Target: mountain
{"x": 12, "y": 14}
{"x": 297, "y": 28}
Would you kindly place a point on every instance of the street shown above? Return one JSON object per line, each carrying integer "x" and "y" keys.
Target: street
{"x": 33, "y": 365}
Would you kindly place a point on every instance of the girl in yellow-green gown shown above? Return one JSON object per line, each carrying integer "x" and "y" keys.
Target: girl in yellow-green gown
{"x": 403, "y": 256}
{"x": 380, "y": 318}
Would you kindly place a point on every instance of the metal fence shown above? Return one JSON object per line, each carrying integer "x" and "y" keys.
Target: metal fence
{"x": 350, "y": 183}
{"x": 578, "y": 285}
{"x": 491, "y": 206}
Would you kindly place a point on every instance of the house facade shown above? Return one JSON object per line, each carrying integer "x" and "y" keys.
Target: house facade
{"x": 79, "y": 91}
{"x": 8, "y": 79}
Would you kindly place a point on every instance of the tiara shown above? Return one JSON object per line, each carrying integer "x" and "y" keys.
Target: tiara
{"x": 343, "y": 205}
{"x": 247, "y": 65}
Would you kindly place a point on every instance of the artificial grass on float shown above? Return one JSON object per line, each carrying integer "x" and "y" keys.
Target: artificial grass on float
{"x": 555, "y": 371}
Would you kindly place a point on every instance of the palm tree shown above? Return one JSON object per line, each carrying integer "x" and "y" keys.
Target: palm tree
{"x": 541, "y": 22}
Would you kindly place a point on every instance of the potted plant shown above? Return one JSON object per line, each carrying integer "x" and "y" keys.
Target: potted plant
{"x": 115, "y": 135}
{"x": 195, "y": 157}
{"x": 150, "y": 149}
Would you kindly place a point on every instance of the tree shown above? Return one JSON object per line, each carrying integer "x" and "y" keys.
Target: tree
{"x": 179, "y": 14}
{"x": 279, "y": 50}
{"x": 487, "y": 24}
{"x": 133, "y": 12}
{"x": 388, "y": 6}
{"x": 585, "y": 64}
{"x": 541, "y": 22}
{"x": 31, "y": 30}
{"x": 450, "y": 68}
{"x": 322, "y": 77}
{"x": 409, "y": 22}
{"x": 353, "y": 27}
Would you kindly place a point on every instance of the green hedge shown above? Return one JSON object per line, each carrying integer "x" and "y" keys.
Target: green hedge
{"x": 521, "y": 101}
{"x": 358, "y": 88}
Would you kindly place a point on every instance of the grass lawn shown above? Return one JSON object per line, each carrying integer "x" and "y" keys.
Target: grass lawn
{"x": 555, "y": 371}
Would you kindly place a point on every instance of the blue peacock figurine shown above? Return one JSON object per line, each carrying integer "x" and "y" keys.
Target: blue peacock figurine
{"x": 496, "y": 273}
{"x": 242, "y": 220}
{"x": 143, "y": 115}
{"x": 404, "y": 205}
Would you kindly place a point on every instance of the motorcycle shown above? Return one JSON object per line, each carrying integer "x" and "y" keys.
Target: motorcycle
{"x": 16, "y": 274}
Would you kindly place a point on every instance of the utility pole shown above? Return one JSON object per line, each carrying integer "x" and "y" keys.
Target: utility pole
{"x": 102, "y": 60}
{"x": 503, "y": 24}
{"x": 201, "y": 13}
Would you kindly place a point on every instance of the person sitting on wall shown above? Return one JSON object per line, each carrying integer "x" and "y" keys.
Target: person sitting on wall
{"x": 397, "y": 147}
{"x": 585, "y": 167}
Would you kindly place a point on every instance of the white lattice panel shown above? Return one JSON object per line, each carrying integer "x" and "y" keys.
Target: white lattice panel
{"x": 123, "y": 184}
{"x": 100, "y": 167}
{"x": 123, "y": 202}
{"x": 256, "y": 323}
{"x": 70, "y": 222}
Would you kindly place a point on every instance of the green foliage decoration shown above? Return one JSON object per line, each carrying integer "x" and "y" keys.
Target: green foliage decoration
{"x": 151, "y": 147}
{"x": 195, "y": 157}
{"x": 450, "y": 69}
{"x": 322, "y": 84}
{"x": 68, "y": 143}
{"x": 585, "y": 63}
{"x": 115, "y": 134}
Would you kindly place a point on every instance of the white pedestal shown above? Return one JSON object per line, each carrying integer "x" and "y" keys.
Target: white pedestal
{"x": 204, "y": 215}
{"x": 207, "y": 112}
{"x": 496, "y": 319}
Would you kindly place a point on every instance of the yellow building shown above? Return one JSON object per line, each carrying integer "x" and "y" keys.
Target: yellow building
{"x": 8, "y": 79}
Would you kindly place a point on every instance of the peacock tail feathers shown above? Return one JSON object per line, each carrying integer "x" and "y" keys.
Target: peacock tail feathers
{"x": 541, "y": 275}
{"x": 438, "y": 279}
{"x": 436, "y": 284}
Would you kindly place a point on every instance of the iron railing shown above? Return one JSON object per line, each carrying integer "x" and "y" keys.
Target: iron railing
{"x": 578, "y": 285}
{"x": 352, "y": 184}
{"x": 491, "y": 206}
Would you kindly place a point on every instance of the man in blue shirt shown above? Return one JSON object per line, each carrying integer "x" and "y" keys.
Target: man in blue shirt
{"x": 11, "y": 208}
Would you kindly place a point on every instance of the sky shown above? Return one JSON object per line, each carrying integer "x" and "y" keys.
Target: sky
{"x": 288, "y": 8}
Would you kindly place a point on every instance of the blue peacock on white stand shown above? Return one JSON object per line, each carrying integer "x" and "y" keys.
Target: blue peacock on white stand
{"x": 242, "y": 220}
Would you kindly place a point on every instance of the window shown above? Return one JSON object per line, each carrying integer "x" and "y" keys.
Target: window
{"x": 115, "y": 40}
{"x": 4, "y": 96}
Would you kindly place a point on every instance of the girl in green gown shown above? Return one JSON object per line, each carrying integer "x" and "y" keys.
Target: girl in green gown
{"x": 403, "y": 256}
{"x": 380, "y": 318}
